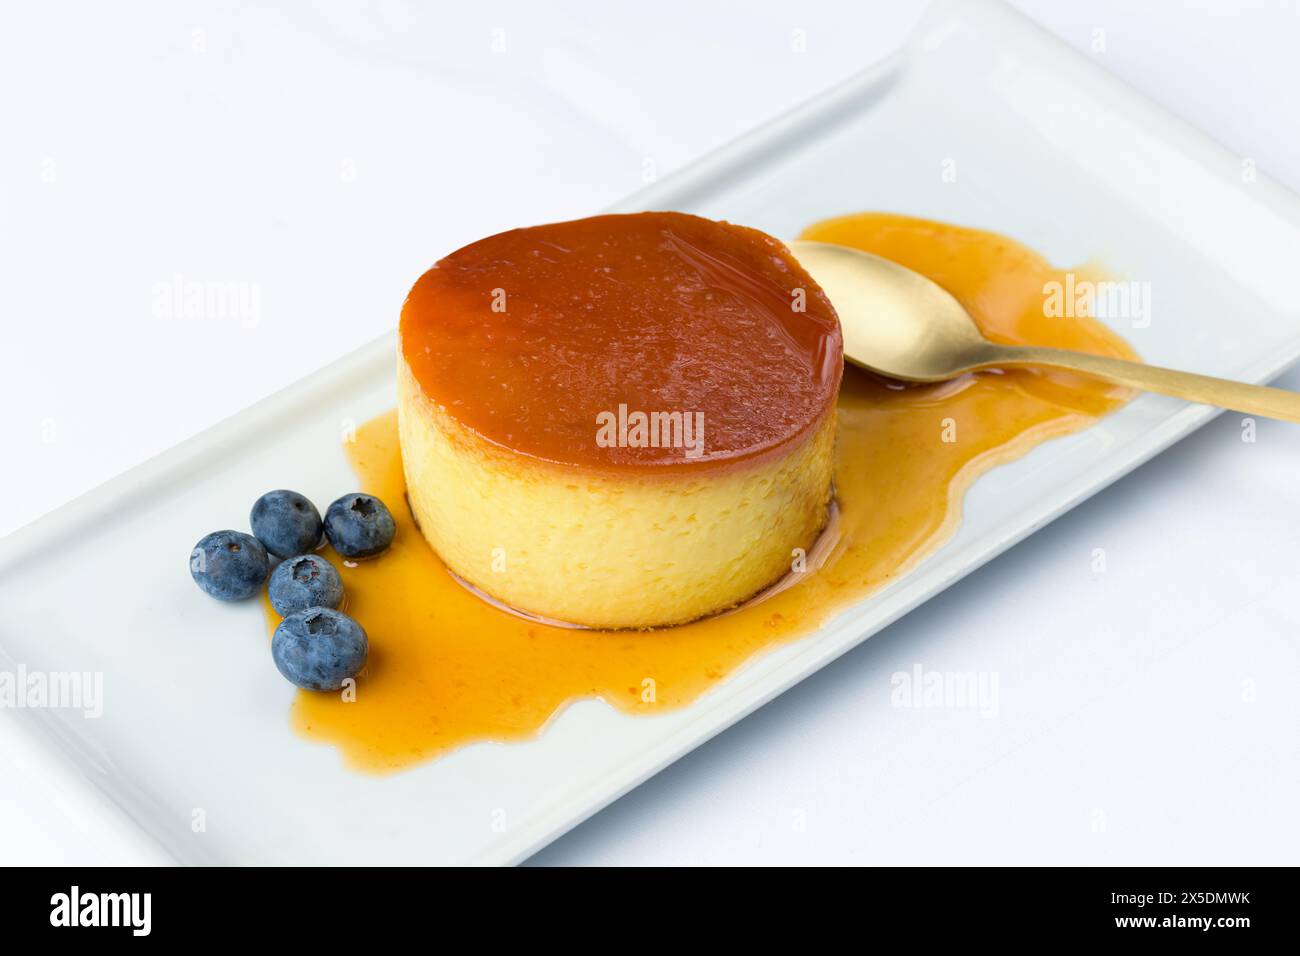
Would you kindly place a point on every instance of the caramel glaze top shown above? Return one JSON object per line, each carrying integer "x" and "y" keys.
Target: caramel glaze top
{"x": 527, "y": 336}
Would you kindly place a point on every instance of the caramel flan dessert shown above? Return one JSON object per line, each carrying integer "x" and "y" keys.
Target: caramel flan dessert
{"x": 625, "y": 421}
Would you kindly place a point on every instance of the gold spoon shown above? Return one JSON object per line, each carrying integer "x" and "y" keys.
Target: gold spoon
{"x": 902, "y": 325}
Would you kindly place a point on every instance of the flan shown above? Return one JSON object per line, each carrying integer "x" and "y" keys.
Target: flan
{"x": 625, "y": 421}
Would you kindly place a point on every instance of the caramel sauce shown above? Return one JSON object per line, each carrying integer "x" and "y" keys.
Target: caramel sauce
{"x": 447, "y": 669}
{"x": 527, "y": 336}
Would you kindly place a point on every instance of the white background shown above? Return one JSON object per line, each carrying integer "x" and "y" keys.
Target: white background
{"x": 327, "y": 155}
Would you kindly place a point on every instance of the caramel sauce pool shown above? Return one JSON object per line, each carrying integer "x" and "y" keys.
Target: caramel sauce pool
{"x": 447, "y": 669}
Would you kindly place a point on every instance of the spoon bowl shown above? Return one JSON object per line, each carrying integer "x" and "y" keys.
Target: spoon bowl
{"x": 896, "y": 322}
{"x": 902, "y": 325}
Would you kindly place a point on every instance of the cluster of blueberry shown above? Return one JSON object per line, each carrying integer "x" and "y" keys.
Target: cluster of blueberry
{"x": 316, "y": 646}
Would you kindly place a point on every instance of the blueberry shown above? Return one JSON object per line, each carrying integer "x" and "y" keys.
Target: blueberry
{"x": 229, "y": 565}
{"x": 319, "y": 648}
{"x": 359, "y": 526}
{"x": 286, "y": 522}
{"x": 305, "y": 581}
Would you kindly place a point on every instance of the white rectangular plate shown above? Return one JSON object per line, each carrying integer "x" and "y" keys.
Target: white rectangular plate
{"x": 982, "y": 120}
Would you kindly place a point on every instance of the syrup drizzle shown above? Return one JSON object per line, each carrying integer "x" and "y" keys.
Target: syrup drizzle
{"x": 448, "y": 669}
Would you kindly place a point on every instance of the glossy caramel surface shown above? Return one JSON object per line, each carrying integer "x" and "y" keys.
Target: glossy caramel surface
{"x": 449, "y": 670}
{"x": 527, "y": 336}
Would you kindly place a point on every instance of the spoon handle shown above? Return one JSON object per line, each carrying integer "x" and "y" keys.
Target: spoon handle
{"x": 1238, "y": 396}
